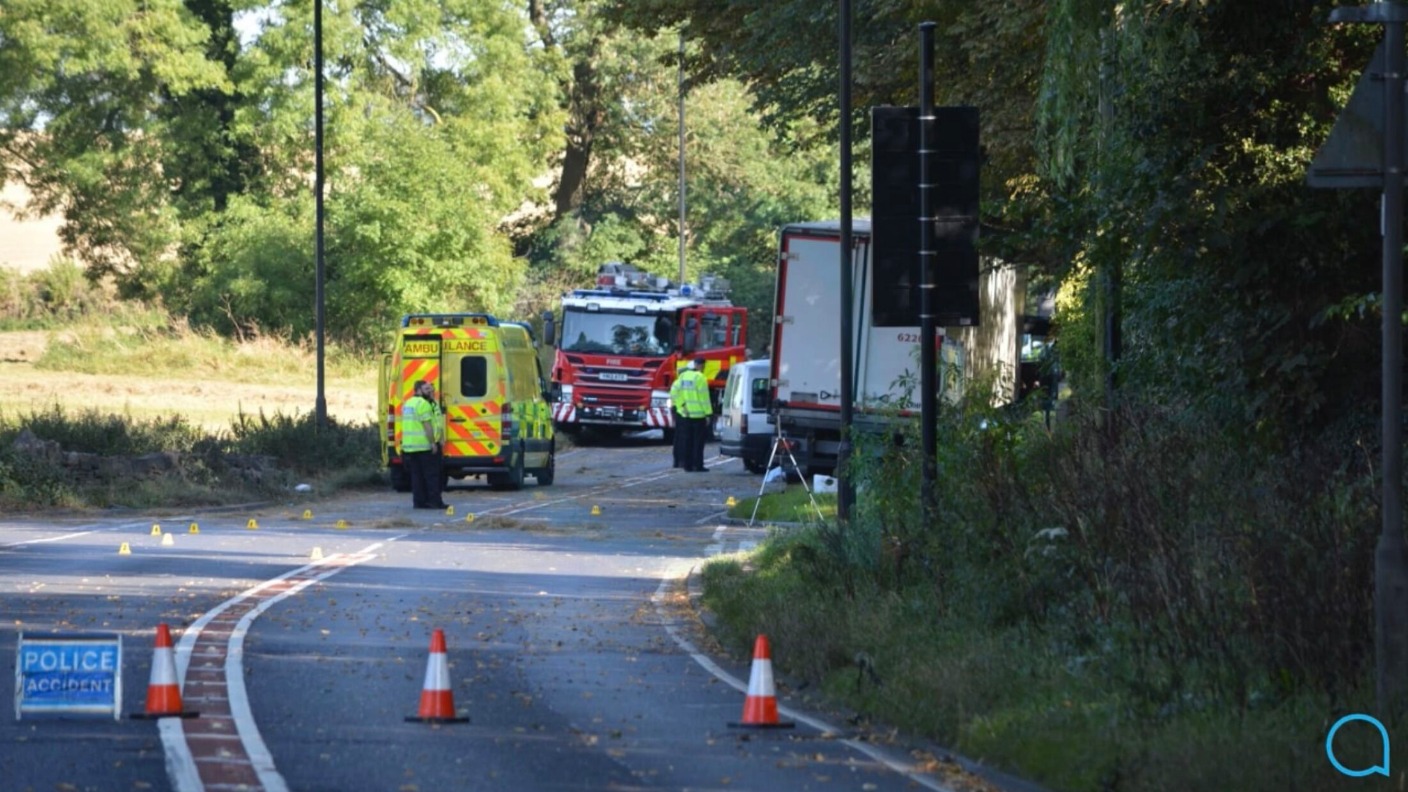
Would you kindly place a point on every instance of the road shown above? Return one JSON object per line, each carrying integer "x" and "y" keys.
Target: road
{"x": 303, "y": 634}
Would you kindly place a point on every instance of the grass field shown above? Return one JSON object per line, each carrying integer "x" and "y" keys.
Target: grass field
{"x": 211, "y": 384}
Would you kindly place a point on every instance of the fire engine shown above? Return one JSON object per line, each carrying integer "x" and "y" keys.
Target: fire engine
{"x": 622, "y": 343}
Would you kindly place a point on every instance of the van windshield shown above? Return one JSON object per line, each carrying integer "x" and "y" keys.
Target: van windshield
{"x": 642, "y": 335}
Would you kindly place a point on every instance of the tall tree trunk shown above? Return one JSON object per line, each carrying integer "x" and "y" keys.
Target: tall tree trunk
{"x": 585, "y": 119}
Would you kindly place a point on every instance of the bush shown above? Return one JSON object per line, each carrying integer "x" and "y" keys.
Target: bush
{"x": 51, "y": 296}
{"x": 1123, "y": 601}
{"x": 208, "y": 471}
{"x": 298, "y": 443}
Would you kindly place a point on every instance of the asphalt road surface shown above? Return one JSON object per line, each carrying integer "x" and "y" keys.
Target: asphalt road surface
{"x": 303, "y": 633}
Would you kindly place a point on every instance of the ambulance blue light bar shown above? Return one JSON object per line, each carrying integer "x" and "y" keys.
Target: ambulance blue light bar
{"x": 449, "y": 320}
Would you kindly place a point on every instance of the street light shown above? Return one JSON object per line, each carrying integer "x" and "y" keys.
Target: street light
{"x": 1334, "y": 167}
{"x": 320, "y": 407}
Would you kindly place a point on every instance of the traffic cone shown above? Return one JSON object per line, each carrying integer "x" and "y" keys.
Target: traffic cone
{"x": 437, "y": 702}
{"x": 760, "y": 708}
{"x": 163, "y": 694}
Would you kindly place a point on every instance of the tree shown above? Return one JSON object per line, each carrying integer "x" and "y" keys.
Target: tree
{"x": 84, "y": 91}
{"x": 1193, "y": 180}
{"x": 438, "y": 119}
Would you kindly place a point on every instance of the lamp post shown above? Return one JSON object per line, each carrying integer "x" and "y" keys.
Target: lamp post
{"x": 681, "y": 157}
{"x": 320, "y": 409}
{"x": 845, "y": 490}
{"x": 1347, "y": 161}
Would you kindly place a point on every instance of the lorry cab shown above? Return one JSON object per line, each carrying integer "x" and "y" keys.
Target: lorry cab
{"x": 743, "y": 425}
{"x": 491, "y": 386}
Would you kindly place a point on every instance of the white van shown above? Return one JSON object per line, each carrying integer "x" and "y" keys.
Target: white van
{"x": 744, "y": 430}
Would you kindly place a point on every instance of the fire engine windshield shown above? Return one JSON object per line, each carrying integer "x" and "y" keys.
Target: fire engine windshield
{"x": 617, "y": 333}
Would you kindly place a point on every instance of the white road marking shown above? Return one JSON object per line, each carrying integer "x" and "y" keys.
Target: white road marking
{"x": 75, "y": 535}
{"x": 180, "y": 763}
{"x": 903, "y": 768}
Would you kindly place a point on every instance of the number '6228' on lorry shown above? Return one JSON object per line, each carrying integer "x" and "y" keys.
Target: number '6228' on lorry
{"x": 487, "y": 375}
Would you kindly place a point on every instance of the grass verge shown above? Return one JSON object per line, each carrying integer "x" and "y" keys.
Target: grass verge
{"x": 1009, "y": 697}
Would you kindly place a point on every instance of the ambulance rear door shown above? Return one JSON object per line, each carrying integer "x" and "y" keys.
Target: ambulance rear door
{"x": 474, "y": 395}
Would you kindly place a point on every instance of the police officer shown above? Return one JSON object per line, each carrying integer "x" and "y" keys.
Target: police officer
{"x": 422, "y": 436}
{"x": 690, "y": 396}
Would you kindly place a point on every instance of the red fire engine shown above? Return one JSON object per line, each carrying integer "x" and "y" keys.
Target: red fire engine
{"x": 622, "y": 343}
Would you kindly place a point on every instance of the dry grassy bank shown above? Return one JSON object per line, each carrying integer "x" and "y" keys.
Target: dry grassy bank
{"x": 209, "y": 398}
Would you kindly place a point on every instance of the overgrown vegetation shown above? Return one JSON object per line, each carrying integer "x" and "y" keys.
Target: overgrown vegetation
{"x": 259, "y": 457}
{"x": 1124, "y": 602}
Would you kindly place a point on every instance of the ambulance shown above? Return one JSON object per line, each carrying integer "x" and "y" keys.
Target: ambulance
{"x": 491, "y": 388}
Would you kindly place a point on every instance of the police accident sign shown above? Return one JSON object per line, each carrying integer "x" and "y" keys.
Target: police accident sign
{"x": 69, "y": 674}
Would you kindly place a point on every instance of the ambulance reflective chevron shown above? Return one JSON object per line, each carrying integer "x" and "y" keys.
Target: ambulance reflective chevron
{"x": 491, "y": 386}
{"x": 622, "y": 343}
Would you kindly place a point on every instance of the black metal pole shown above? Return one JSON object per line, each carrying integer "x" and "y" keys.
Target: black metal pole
{"x": 928, "y": 357}
{"x": 682, "y": 184}
{"x": 1390, "y": 577}
{"x": 845, "y": 491}
{"x": 320, "y": 408}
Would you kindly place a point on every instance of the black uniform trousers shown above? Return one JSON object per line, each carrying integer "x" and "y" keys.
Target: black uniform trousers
{"x": 424, "y": 470}
{"x": 698, "y": 433}
{"x": 681, "y": 439}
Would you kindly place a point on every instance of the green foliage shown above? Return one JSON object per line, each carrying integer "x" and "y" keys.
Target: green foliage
{"x": 1228, "y": 262}
{"x": 208, "y": 468}
{"x": 54, "y": 296}
{"x": 792, "y": 505}
{"x": 302, "y": 446}
{"x": 95, "y": 432}
{"x": 1094, "y": 606}
{"x": 254, "y": 266}
{"x": 93, "y": 77}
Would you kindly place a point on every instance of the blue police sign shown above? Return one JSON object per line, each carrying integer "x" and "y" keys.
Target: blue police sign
{"x": 69, "y": 674}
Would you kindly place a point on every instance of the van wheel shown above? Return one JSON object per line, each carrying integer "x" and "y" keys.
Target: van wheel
{"x": 754, "y": 465}
{"x": 400, "y": 481}
{"x": 511, "y": 480}
{"x": 546, "y": 474}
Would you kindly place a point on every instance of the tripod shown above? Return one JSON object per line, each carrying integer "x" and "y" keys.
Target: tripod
{"x": 781, "y": 445}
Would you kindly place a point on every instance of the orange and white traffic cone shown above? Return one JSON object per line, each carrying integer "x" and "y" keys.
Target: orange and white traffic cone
{"x": 437, "y": 702}
{"x": 163, "y": 693}
{"x": 760, "y": 708}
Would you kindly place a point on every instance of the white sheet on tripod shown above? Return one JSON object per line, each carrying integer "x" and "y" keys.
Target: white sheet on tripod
{"x": 775, "y": 480}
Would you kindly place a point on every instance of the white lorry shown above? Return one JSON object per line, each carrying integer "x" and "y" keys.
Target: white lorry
{"x": 806, "y": 343}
